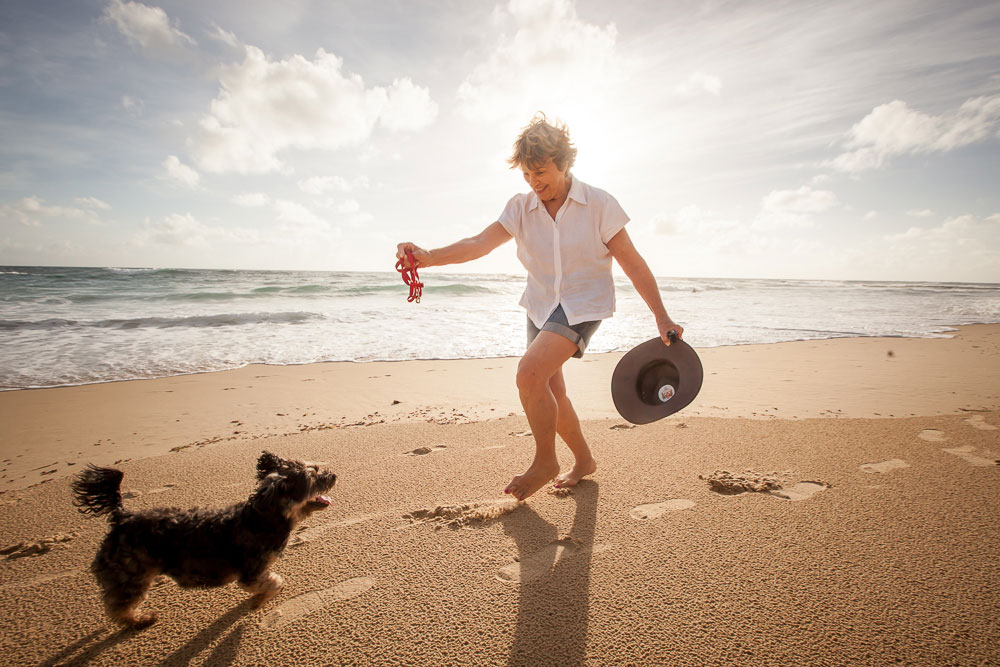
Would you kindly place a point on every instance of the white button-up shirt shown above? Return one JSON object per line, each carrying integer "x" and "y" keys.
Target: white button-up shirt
{"x": 567, "y": 259}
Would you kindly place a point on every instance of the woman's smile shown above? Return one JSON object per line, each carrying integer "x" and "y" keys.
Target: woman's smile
{"x": 547, "y": 181}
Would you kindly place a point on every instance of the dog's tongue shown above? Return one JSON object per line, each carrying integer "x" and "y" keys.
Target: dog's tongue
{"x": 323, "y": 499}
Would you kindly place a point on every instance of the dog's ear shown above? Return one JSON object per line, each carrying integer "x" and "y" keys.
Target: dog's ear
{"x": 267, "y": 495}
{"x": 299, "y": 486}
{"x": 268, "y": 463}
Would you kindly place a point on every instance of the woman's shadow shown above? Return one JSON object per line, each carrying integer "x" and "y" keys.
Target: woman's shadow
{"x": 553, "y": 572}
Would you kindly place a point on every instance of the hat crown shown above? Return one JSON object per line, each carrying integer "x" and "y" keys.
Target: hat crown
{"x": 653, "y": 380}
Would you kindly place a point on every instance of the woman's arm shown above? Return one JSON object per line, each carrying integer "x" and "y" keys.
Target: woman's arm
{"x": 638, "y": 272}
{"x": 465, "y": 250}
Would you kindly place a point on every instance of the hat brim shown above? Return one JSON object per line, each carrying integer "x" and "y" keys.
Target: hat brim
{"x": 678, "y": 363}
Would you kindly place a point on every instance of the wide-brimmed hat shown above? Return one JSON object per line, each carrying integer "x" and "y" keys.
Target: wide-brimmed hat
{"x": 653, "y": 380}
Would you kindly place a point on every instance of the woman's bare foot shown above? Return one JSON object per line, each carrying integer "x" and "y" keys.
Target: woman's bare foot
{"x": 534, "y": 478}
{"x": 580, "y": 470}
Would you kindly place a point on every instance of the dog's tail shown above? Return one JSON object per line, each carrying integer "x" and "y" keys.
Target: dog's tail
{"x": 97, "y": 491}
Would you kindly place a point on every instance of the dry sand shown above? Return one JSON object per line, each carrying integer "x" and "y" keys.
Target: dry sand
{"x": 821, "y": 503}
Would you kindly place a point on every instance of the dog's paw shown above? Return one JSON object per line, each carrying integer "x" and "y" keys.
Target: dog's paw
{"x": 261, "y": 599}
{"x": 271, "y": 587}
{"x": 144, "y": 620}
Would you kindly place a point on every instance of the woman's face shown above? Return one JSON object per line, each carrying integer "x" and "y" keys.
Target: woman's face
{"x": 546, "y": 180}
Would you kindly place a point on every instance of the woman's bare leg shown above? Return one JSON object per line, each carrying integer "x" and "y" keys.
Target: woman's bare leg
{"x": 543, "y": 359}
{"x": 568, "y": 428}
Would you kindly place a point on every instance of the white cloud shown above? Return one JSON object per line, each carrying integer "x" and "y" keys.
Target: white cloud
{"x": 407, "y": 107}
{"x": 954, "y": 230}
{"x": 794, "y": 208}
{"x": 964, "y": 247}
{"x": 251, "y": 199}
{"x": 268, "y": 106}
{"x": 175, "y": 229}
{"x": 862, "y": 159}
{"x": 93, "y": 202}
{"x": 294, "y": 217}
{"x": 664, "y": 224}
{"x": 553, "y": 60}
{"x": 348, "y": 207}
{"x": 700, "y": 241}
{"x": 146, "y": 28}
{"x": 180, "y": 172}
{"x": 920, "y": 213}
{"x": 699, "y": 83}
{"x": 187, "y": 231}
{"x": 706, "y": 242}
{"x": 895, "y": 129}
{"x": 132, "y": 105}
{"x": 30, "y": 211}
{"x": 694, "y": 222}
{"x": 226, "y": 37}
{"x": 319, "y": 185}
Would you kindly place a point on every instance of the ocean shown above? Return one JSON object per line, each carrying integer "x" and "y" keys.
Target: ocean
{"x": 68, "y": 326}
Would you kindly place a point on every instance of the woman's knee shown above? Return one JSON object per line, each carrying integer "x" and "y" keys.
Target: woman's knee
{"x": 530, "y": 376}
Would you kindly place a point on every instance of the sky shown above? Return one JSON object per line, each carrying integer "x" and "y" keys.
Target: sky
{"x": 839, "y": 140}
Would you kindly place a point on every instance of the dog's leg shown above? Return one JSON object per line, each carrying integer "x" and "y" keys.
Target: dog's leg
{"x": 264, "y": 587}
{"x": 122, "y": 598}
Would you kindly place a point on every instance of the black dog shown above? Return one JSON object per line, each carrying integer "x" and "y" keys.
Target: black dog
{"x": 198, "y": 548}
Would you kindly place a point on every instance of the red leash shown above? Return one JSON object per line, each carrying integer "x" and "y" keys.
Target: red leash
{"x": 410, "y": 277}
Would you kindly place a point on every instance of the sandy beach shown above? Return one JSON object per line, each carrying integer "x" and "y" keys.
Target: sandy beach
{"x": 826, "y": 502}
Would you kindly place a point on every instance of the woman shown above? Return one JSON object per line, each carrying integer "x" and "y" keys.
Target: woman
{"x": 566, "y": 233}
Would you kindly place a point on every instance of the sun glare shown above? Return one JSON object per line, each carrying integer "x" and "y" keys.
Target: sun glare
{"x": 595, "y": 139}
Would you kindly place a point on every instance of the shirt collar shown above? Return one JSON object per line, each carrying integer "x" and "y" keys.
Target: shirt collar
{"x": 576, "y": 192}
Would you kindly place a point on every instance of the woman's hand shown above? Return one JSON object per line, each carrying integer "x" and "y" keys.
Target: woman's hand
{"x": 668, "y": 326}
{"x": 420, "y": 256}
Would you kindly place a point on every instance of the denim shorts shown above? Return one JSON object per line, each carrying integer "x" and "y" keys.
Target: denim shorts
{"x": 557, "y": 323}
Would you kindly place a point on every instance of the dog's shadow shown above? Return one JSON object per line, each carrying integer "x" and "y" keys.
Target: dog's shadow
{"x": 89, "y": 648}
{"x": 225, "y": 652}
{"x": 82, "y": 651}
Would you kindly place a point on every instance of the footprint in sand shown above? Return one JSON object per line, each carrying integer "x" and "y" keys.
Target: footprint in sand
{"x": 307, "y": 603}
{"x": 542, "y": 562}
{"x": 468, "y": 515}
{"x": 44, "y": 579}
{"x": 932, "y": 435}
{"x": 800, "y": 490}
{"x": 424, "y": 451}
{"x": 726, "y": 483}
{"x": 656, "y": 510}
{"x": 38, "y": 547}
{"x": 884, "y": 466}
{"x": 307, "y": 535}
{"x": 967, "y": 454}
{"x": 159, "y": 489}
{"x": 521, "y": 434}
{"x": 979, "y": 422}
